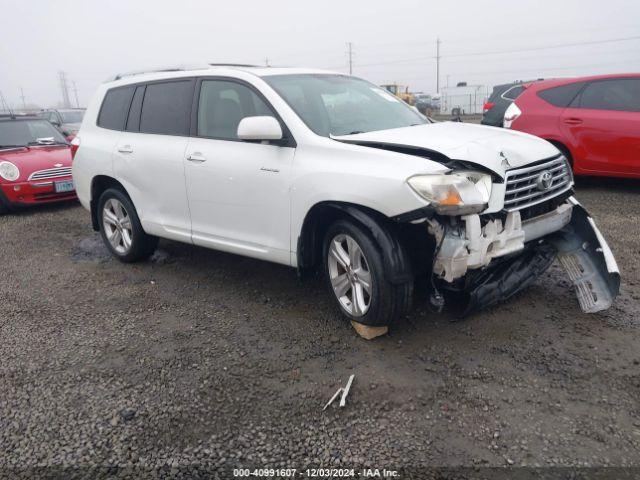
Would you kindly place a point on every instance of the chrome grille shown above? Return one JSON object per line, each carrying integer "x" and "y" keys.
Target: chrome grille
{"x": 50, "y": 173}
{"x": 522, "y": 189}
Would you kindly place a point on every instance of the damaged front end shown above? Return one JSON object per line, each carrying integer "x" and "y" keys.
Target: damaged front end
{"x": 488, "y": 260}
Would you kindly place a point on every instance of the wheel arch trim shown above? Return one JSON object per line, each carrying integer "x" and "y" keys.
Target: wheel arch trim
{"x": 395, "y": 257}
{"x": 99, "y": 184}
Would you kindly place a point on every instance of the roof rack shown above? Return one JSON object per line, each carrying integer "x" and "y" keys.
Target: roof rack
{"x": 181, "y": 68}
{"x": 245, "y": 65}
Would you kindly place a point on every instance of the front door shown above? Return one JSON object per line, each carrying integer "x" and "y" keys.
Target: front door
{"x": 238, "y": 191}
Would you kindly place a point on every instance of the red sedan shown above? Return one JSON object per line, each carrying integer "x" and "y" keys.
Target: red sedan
{"x": 594, "y": 121}
{"x": 35, "y": 163}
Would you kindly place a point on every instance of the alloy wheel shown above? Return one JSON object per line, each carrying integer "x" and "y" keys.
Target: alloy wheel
{"x": 349, "y": 275}
{"x": 117, "y": 226}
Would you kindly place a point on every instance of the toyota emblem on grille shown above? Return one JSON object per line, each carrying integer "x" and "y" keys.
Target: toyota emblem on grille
{"x": 57, "y": 165}
{"x": 544, "y": 180}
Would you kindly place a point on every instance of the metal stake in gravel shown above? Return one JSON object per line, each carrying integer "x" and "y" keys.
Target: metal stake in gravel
{"x": 342, "y": 390}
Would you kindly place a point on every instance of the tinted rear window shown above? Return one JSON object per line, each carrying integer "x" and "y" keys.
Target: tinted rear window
{"x": 621, "y": 94}
{"x": 513, "y": 92}
{"x": 115, "y": 107}
{"x": 167, "y": 107}
{"x": 561, "y": 96}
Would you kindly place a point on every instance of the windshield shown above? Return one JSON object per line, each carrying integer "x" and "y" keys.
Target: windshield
{"x": 23, "y": 132}
{"x": 72, "y": 117}
{"x": 342, "y": 105}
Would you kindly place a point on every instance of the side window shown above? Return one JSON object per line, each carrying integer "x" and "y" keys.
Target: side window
{"x": 115, "y": 107}
{"x": 166, "y": 108}
{"x": 223, "y": 104}
{"x": 513, "y": 92}
{"x": 561, "y": 96}
{"x": 621, "y": 95}
{"x": 133, "y": 121}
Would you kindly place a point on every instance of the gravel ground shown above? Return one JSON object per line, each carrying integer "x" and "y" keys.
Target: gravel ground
{"x": 199, "y": 360}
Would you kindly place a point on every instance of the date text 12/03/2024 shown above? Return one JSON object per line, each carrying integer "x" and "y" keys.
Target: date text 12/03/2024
{"x": 315, "y": 473}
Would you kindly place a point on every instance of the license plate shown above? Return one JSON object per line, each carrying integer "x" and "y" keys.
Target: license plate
{"x": 65, "y": 186}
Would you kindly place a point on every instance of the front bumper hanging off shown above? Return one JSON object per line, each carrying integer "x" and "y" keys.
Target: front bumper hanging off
{"x": 581, "y": 250}
{"x": 585, "y": 255}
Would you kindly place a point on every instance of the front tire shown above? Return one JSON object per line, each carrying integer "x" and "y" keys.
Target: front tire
{"x": 120, "y": 228}
{"x": 355, "y": 274}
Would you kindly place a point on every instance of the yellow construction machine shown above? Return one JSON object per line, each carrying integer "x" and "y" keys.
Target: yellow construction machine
{"x": 400, "y": 91}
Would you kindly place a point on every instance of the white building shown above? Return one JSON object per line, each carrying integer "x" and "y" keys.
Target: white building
{"x": 468, "y": 98}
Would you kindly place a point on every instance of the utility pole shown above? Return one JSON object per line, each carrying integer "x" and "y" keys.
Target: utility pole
{"x": 65, "y": 89}
{"x": 350, "y": 53}
{"x": 266, "y": 62}
{"x": 24, "y": 105}
{"x": 75, "y": 92}
{"x": 438, "y": 65}
{"x": 3, "y": 104}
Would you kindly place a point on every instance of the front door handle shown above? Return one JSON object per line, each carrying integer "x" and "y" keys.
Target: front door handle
{"x": 573, "y": 121}
{"x": 196, "y": 157}
{"x": 125, "y": 149}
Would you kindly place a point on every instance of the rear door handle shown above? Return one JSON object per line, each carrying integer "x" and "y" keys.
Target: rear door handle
{"x": 573, "y": 121}
{"x": 125, "y": 149}
{"x": 196, "y": 157}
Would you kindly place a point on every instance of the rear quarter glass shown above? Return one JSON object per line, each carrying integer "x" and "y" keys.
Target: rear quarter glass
{"x": 561, "y": 96}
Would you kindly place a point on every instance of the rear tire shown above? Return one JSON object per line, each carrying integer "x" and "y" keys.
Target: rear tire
{"x": 120, "y": 228}
{"x": 356, "y": 277}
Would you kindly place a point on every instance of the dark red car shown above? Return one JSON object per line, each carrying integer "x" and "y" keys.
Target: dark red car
{"x": 35, "y": 163}
{"x": 594, "y": 121}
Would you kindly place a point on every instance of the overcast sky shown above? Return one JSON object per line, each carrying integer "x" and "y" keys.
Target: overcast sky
{"x": 393, "y": 41}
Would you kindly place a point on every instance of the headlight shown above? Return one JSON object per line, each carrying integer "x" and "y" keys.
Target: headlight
{"x": 456, "y": 193}
{"x": 9, "y": 171}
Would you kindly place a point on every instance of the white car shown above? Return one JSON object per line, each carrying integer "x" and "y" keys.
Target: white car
{"x": 323, "y": 171}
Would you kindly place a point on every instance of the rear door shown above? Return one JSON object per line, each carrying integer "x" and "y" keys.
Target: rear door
{"x": 238, "y": 190}
{"x": 148, "y": 158}
{"x": 603, "y": 123}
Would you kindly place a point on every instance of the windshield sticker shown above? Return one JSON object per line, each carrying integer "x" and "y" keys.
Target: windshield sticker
{"x": 384, "y": 94}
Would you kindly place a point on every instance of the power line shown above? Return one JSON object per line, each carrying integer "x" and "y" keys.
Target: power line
{"x": 517, "y": 71}
{"x": 548, "y": 47}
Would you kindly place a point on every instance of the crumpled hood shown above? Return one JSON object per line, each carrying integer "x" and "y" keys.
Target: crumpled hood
{"x": 497, "y": 149}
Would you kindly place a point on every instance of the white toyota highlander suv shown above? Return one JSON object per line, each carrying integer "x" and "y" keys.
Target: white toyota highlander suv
{"x": 323, "y": 171}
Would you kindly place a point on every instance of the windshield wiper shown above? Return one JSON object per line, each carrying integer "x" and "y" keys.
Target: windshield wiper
{"x": 13, "y": 146}
{"x": 355, "y": 132}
